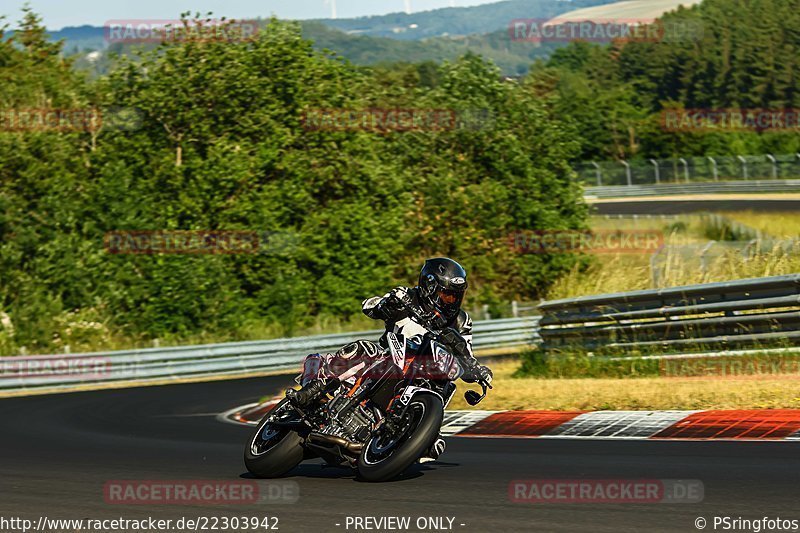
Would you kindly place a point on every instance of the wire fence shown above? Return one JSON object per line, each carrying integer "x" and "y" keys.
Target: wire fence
{"x": 689, "y": 170}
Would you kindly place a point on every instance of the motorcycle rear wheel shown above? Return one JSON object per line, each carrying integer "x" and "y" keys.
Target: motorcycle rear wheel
{"x": 386, "y": 456}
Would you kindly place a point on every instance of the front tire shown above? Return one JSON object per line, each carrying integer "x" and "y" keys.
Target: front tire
{"x": 273, "y": 451}
{"x": 385, "y": 456}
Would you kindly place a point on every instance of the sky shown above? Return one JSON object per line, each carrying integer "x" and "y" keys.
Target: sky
{"x": 60, "y": 13}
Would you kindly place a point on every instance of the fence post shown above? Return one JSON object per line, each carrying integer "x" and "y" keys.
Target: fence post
{"x": 685, "y": 169}
{"x": 599, "y": 174}
{"x": 774, "y": 166}
{"x": 658, "y": 176}
{"x": 714, "y": 170}
{"x": 514, "y": 308}
{"x": 744, "y": 166}
{"x": 627, "y": 172}
{"x": 486, "y": 314}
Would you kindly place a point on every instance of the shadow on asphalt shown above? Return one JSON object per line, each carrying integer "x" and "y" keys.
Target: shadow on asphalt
{"x": 325, "y": 471}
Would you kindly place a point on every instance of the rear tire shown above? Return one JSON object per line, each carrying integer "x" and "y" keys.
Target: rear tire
{"x": 381, "y": 461}
{"x": 273, "y": 451}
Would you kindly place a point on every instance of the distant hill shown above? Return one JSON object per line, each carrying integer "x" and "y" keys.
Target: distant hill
{"x": 441, "y": 34}
{"x": 445, "y": 22}
{"x": 513, "y": 58}
{"x": 456, "y": 21}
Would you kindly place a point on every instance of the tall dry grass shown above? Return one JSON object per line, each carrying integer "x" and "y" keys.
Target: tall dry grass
{"x": 679, "y": 263}
{"x": 565, "y": 394}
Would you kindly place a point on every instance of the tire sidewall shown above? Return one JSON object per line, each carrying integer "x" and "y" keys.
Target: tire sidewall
{"x": 413, "y": 448}
{"x": 282, "y": 457}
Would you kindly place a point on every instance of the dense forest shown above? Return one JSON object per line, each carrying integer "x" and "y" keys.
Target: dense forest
{"x": 219, "y": 143}
{"x": 747, "y": 57}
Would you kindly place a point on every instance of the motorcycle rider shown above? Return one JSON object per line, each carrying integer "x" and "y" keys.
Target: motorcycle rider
{"x": 437, "y": 297}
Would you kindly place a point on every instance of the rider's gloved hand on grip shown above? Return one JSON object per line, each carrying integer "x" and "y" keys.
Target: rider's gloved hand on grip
{"x": 485, "y": 374}
{"x": 478, "y": 373}
{"x": 393, "y": 304}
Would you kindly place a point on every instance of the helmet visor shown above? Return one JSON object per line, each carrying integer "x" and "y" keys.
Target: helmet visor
{"x": 449, "y": 297}
{"x": 449, "y": 301}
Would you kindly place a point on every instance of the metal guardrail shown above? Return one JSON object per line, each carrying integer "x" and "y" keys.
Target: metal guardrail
{"x": 720, "y": 187}
{"x": 73, "y": 370}
{"x": 748, "y": 312}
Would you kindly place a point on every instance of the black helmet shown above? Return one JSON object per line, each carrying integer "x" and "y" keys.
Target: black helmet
{"x": 443, "y": 283}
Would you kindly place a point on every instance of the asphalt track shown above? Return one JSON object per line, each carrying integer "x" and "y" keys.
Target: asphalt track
{"x": 57, "y": 452}
{"x": 675, "y": 207}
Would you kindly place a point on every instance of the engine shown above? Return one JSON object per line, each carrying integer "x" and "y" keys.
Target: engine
{"x": 353, "y": 423}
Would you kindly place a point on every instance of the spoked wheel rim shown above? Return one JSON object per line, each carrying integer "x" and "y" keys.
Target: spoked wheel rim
{"x": 268, "y": 435}
{"x": 381, "y": 446}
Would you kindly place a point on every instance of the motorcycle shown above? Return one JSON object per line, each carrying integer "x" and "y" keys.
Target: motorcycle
{"x": 380, "y": 425}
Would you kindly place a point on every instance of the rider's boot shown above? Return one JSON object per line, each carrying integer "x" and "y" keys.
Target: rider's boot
{"x": 435, "y": 451}
{"x": 311, "y": 391}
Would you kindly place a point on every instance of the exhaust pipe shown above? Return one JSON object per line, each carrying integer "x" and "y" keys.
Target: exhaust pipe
{"x": 327, "y": 441}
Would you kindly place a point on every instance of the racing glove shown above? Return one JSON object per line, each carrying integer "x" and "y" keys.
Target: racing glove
{"x": 478, "y": 373}
{"x": 394, "y": 303}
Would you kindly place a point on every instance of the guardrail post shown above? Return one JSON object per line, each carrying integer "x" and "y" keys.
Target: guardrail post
{"x": 774, "y": 166}
{"x": 599, "y": 174}
{"x": 514, "y": 309}
{"x": 685, "y": 169}
{"x": 627, "y": 172}
{"x": 703, "y": 260}
{"x": 744, "y": 166}
{"x": 746, "y": 250}
{"x": 655, "y": 274}
{"x": 658, "y": 175}
{"x": 486, "y": 315}
{"x": 714, "y": 169}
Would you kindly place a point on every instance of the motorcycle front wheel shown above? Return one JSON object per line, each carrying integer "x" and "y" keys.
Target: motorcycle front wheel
{"x": 387, "y": 455}
{"x": 273, "y": 450}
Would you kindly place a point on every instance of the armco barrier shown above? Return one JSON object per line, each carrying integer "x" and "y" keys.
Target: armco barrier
{"x": 18, "y": 373}
{"x": 670, "y": 189}
{"x": 748, "y": 312}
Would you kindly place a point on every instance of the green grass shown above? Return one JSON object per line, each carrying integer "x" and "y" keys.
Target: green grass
{"x": 576, "y": 365}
